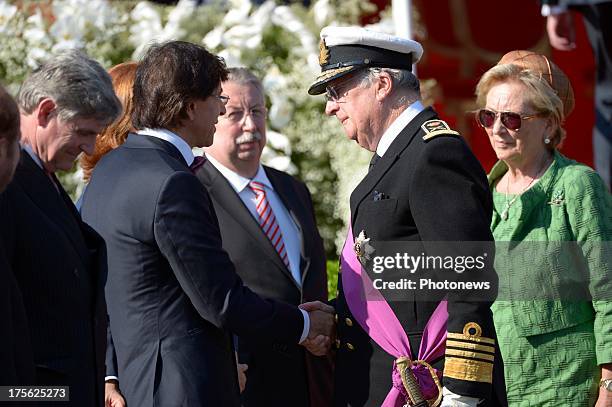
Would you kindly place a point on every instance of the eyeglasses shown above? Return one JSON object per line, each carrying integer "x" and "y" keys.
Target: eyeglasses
{"x": 224, "y": 99}
{"x": 333, "y": 95}
{"x": 237, "y": 115}
{"x": 340, "y": 90}
{"x": 510, "y": 120}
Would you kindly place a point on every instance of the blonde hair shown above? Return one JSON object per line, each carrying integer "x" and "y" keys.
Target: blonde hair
{"x": 540, "y": 95}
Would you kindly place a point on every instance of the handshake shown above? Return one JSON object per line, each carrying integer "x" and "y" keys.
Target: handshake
{"x": 322, "y": 327}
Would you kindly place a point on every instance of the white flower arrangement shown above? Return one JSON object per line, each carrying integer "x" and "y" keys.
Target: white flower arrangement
{"x": 278, "y": 42}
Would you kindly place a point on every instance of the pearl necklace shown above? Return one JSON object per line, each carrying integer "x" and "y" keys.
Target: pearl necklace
{"x": 508, "y": 204}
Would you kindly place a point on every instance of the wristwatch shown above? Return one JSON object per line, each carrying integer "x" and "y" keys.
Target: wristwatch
{"x": 606, "y": 384}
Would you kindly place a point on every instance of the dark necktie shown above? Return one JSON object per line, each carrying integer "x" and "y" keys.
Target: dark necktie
{"x": 373, "y": 161}
{"x": 198, "y": 161}
{"x": 53, "y": 179}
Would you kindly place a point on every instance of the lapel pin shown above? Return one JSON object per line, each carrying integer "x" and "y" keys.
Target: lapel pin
{"x": 362, "y": 248}
{"x": 558, "y": 198}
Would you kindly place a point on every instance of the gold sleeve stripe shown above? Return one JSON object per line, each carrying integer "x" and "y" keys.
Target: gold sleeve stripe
{"x": 468, "y": 354}
{"x": 468, "y": 369}
{"x": 470, "y": 345}
{"x": 481, "y": 339}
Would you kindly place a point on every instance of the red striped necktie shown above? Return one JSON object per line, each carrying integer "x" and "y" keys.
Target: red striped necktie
{"x": 267, "y": 220}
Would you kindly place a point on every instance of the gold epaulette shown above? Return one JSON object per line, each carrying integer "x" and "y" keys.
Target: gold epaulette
{"x": 469, "y": 355}
{"x": 437, "y": 127}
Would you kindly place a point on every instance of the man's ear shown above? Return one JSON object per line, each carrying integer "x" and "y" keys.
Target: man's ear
{"x": 384, "y": 86}
{"x": 191, "y": 110}
{"x": 45, "y": 111}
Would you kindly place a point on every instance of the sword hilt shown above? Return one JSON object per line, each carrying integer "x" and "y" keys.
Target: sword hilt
{"x": 410, "y": 384}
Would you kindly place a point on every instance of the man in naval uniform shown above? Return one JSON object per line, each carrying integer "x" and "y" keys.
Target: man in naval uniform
{"x": 424, "y": 185}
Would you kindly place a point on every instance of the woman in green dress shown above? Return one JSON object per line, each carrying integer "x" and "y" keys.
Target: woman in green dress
{"x": 552, "y": 222}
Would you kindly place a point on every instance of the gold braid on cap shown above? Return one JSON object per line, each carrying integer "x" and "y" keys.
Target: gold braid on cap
{"x": 323, "y": 53}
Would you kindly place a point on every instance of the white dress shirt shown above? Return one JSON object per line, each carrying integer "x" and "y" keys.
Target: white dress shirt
{"x": 173, "y": 139}
{"x": 397, "y": 126}
{"x": 291, "y": 234}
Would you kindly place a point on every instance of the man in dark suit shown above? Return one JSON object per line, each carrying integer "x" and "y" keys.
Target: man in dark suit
{"x": 424, "y": 186}
{"x": 276, "y": 372}
{"x": 16, "y": 360}
{"x": 58, "y": 261}
{"x": 172, "y": 292}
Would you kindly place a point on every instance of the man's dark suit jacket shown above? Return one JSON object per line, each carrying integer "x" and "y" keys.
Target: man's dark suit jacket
{"x": 172, "y": 292}
{"x": 277, "y": 372}
{"x": 16, "y": 358}
{"x": 422, "y": 191}
{"x": 59, "y": 265}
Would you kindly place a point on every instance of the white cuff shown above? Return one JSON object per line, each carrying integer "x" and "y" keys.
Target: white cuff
{"x": 306, "y": 329}
{"x": 107, "y": 378}
{"x": 548, "y": 10}
{"x": 450, "y": 399}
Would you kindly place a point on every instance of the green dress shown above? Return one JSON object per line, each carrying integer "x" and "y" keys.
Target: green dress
{"x": 553, "y": 343}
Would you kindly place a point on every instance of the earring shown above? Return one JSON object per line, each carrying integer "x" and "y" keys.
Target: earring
{"x": 546, "y": 140}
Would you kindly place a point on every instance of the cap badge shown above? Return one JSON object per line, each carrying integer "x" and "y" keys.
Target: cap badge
{"x": 323, "y": 53}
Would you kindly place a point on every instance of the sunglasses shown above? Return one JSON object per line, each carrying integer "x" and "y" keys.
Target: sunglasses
{"x": 510, "y": 120}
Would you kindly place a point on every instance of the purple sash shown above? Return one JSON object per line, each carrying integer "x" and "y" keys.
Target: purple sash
{"x": 376, "y": 317}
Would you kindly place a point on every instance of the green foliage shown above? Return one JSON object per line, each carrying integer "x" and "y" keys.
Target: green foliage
{"x": 310, "y": 133}
{"x": 110, "y": 51}
{"x": 13, "y": 51}
{"x": 350, "y": 11}
{"x": 278, "y": 49}
{"x": 332, "y": 278}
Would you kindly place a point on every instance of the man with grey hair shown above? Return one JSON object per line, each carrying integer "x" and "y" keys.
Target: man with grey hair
{"x": 58, "y": 261}
{"x": 288, "y": 265}
{"x": 392, "y": 346}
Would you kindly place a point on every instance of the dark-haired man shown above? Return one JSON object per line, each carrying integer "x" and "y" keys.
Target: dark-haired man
{"x": 9, "y": 138}
{"x": 16, "y": 360}
{"x": 173, "y": 295}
